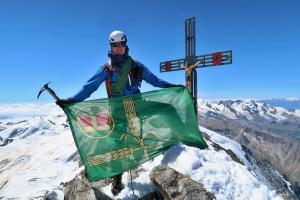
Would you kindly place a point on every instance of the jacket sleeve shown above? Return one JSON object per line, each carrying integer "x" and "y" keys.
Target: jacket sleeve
{"x": 150, "y": 78}
{"x": 91, "y": 85}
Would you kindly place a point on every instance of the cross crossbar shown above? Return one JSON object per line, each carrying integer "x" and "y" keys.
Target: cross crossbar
{"x": 207, "y": 60}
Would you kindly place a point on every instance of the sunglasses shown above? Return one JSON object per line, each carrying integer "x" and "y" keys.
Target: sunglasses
{"x": 120, "y": 44}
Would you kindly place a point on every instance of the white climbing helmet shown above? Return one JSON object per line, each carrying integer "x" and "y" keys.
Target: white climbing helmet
{"x": 117, "y": 36}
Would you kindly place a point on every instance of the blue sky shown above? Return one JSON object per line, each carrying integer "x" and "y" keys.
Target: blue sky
{"x": 66, "y": 41}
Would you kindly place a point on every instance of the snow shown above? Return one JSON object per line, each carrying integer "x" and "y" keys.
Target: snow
{"x": 40, "y": 158}
{"x": 297, "y": 113}
{"x": 220, "y": 175}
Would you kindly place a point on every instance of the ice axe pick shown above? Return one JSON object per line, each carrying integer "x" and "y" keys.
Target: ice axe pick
{"x": 46, "y": 87}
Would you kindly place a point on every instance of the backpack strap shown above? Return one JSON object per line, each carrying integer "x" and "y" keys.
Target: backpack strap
{"x": 108, "y": 69}
{"x": 137, "y": 71}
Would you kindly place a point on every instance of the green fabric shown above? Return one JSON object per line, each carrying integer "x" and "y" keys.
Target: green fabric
{"x": 117, "y": 134}
{"x": 117, "y": 87}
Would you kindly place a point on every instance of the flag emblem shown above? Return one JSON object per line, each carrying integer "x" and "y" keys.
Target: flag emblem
{"x": 95, "y": 121}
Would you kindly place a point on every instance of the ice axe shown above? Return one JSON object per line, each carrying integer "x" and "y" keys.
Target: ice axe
{"x": 46, "y": 87}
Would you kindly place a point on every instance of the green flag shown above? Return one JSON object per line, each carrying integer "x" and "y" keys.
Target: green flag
{"x": 116, "y": 134}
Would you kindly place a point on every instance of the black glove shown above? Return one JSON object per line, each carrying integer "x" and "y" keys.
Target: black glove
{"x": 61, "y": 103}
{"x": 173, "y": 85}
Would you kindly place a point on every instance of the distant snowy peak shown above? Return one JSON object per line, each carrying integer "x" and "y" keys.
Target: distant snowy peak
{"x": 18, "y": 111}
{"x": 288, "y": 103}
{"x": 246, "y": 109}
{"x": 292, "y": 99}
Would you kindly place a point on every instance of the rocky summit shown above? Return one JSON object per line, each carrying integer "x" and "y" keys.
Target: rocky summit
{"x": 39, "y": 160}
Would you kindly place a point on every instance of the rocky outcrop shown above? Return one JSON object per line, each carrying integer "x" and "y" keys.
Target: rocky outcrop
{"x": 170, "y": 184}
{"x": 173, "y": 185}
{"x": 272, "y": 178}
{"x": 79, "y": 188}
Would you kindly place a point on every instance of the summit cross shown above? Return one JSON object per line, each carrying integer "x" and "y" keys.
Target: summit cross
{"x": 191, "y": 62}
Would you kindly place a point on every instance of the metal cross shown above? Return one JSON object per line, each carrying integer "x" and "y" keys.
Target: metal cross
{"x": 191, "y": 61}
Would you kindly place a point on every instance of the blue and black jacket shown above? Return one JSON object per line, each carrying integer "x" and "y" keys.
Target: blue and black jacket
{"x": 137, "y": 73}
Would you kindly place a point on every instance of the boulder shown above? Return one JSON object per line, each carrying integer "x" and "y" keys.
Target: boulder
{"x": 173, "y": 185}
{"x": 79, "y": 188}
